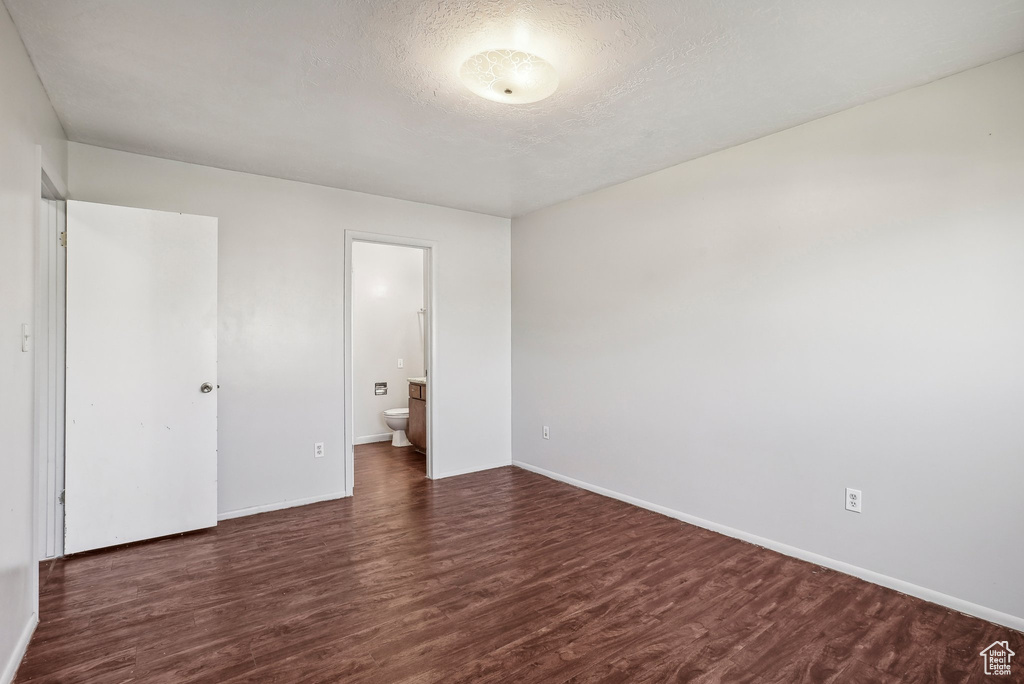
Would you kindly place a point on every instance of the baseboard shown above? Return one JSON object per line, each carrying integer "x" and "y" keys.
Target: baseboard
{"x": 474, "y": 469}
{"x": 11, "y": 668}
{"x": 290, "y": 503}
{"x": 930, "y": 595}
{"x": 371, "y": 439}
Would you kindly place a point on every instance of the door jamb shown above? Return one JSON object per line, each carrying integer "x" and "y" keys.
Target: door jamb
{"x": 47, "y": 383}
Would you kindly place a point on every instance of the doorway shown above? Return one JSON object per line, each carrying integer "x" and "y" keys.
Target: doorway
{"x": 125, "y": 450}
{"x": 389, "y": 351}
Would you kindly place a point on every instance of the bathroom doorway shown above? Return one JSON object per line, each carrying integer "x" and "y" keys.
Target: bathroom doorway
{"x": 389, "y": 345}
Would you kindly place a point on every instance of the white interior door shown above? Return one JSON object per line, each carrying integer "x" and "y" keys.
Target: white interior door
{"x": 141, "y": 434}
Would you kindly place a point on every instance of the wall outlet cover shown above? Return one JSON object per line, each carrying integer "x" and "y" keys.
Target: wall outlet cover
{"x": 318, "y": 450}
{"x": 854, "y": 500}
{"x": 547, "y": 432}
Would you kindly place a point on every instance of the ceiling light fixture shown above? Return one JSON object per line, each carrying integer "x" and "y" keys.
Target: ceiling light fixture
{"x": 509, "y": 76}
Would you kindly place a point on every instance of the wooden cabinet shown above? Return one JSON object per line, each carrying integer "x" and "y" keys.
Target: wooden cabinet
{"x": 417, "y": 432}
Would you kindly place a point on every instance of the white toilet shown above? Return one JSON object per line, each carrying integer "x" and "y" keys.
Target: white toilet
{"x": 398, "y": 420}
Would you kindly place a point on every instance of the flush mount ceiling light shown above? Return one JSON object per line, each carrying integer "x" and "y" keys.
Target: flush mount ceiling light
{"x": 509, "y": 76}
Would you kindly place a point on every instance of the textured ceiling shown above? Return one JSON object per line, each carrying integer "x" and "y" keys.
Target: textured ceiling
{"x": 364, "y": 94}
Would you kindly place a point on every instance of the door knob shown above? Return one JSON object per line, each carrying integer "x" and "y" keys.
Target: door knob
{"x": 206, "y": 388}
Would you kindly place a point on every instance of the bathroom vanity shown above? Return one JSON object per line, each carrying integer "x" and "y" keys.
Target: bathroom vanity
{"x": 417, "y": 431}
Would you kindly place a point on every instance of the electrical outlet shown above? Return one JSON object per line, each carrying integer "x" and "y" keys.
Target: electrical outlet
{"x": 401, "y": 363}
{"x": 318, "y": 450}
{"x": 547, "y": 432}
{"x": 854, "y": 500}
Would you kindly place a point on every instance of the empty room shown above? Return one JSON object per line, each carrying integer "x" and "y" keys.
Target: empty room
{"x": 480, "y": 341}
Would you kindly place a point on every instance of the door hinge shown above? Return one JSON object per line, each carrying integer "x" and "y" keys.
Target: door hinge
{"x": 61, "y": 497}
{"x": 63, "y": 238}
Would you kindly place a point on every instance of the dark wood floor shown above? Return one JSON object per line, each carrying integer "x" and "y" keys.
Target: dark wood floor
{"x": 501, "y": 576}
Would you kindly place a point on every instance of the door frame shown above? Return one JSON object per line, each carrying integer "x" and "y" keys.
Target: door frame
{"x": 430, "y": 249}
{"x": 48, "y": 324}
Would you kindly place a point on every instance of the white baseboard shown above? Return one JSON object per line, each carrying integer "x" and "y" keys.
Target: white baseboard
{"x": 11, "y": 668}
{"x": 290, "y": 503}
{"x": 370, "y": 439}
{"x": 474, "y": 469}
{"x": 960, "y": 605}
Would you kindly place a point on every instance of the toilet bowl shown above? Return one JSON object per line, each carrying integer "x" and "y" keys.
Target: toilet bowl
{"x": 398, "y": 420}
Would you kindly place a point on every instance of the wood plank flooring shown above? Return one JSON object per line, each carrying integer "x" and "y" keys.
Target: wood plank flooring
{"x": 500, "y": 576}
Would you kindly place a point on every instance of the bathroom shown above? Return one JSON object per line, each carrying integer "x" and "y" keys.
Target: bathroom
{"x": 389, "y": 352}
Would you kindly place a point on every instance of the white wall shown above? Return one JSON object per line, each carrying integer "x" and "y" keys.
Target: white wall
{"x": 387, "y": 294}
{"x": 26, "y": 120}
{"x": 741, "y": 337}
{"x": 281, "y": 281}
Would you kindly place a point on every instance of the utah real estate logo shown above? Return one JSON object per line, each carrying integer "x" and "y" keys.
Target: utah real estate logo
{"x": 997, "y": 658}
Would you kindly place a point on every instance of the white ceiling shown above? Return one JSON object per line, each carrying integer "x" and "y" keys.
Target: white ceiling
{"x": 364, "y": 94}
